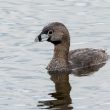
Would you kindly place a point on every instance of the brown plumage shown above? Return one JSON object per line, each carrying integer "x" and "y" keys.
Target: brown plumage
{"x": 58, "y": 34}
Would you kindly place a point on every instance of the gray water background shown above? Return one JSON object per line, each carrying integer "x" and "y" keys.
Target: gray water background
{"x": 23, "y": 78}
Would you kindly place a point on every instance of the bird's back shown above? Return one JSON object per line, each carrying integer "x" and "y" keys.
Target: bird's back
{"x": 80, "y": 58}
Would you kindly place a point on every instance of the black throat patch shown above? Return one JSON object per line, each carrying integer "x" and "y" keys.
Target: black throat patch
{"x": 54, "y": 42}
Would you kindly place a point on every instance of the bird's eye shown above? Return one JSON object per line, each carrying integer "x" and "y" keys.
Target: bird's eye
{"x": 50, "y": 32}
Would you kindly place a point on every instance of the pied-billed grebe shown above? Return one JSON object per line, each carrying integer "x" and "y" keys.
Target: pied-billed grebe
{"x": 58, "y": 34}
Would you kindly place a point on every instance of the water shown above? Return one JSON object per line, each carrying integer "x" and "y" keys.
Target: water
{"x": 24, "y": 81}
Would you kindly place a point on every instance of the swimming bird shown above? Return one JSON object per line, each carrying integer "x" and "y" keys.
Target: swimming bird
{"x": 63, "y": 59}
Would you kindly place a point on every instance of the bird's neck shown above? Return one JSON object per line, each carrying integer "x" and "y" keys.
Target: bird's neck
{"x": 60, "y": 57}
{"x": 61, "y": 52}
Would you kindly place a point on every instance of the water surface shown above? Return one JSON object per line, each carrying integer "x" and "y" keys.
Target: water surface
{"x": 24, "y": 81}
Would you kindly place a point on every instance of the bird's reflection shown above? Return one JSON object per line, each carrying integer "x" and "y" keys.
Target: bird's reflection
{"x": 62, "y": 92}
{"x": 86, "y": 71}
{"x": 62, "y": 99}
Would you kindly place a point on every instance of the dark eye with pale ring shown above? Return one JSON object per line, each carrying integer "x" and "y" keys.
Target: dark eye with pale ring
{"x": 50, "y": 32}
